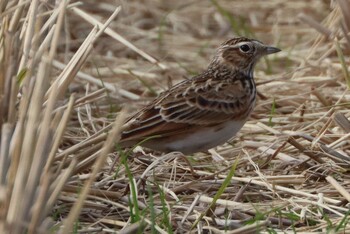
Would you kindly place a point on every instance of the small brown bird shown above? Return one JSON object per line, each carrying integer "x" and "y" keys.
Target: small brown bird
{"x": 206, "y": 110}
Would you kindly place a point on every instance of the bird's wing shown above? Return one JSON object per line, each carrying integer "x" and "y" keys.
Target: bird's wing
{"x": 190, "y": 104}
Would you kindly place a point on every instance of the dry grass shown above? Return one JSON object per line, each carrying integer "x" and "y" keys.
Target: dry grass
{"x": 68, "y": 68}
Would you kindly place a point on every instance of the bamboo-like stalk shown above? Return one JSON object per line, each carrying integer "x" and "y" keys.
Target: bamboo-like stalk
{"x": 113, "y": 137}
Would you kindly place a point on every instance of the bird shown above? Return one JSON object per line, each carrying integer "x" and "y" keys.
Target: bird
{"x": 204, "y": 111}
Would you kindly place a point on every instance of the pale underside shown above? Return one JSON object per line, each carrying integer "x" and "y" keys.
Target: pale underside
{"x": 199, "y": 140}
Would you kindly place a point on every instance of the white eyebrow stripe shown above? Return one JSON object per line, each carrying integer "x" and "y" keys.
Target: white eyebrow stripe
{"x": 250, "y": 44}
{"x": 238, "y": 44}
{"x": 243, "y": 42}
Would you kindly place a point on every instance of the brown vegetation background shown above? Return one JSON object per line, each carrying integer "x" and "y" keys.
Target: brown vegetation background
{"x": 69, "y": 68}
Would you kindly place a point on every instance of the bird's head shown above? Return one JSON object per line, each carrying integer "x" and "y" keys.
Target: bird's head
{"x": 242, "y": 53}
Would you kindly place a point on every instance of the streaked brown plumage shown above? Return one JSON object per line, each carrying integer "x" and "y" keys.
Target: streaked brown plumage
{"x": 206, "y": 110}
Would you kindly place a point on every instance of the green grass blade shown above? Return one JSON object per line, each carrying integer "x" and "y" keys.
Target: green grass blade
{"x": 221, "y": 190}
{"x": 238, "y": 25}
{"x": 144, "y": 83}
{"x": 151, "y": 209}
{"x": 273, "y": 112}
{"x": 343, "y": 64}
{"x": 133, "y": 202}
{"x": 21, "y": 75}
{"x": 343, "y": 223}
{"x": 165, "y": 220}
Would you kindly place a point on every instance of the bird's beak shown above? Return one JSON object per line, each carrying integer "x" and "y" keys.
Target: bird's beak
{"x": 271, "y": 50}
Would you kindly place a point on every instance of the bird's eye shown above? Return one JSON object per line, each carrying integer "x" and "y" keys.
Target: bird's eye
{"x": 244, "y": 48}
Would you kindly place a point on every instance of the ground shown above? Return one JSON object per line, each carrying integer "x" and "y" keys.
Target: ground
{"x": 68, "y": 81}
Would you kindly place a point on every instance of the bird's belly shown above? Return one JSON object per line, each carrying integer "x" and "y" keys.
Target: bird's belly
{"x": 205, "y": 138}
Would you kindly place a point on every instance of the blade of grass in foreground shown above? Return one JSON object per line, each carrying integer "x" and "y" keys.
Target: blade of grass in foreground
{"x": 343, "y": 63}
{"x": 219, "y": 193}
{"x": 165, "y": 210}
{"x": 125, "y": 155}
{"x": 343, "y": 223}
{"x": 151, "y": 208}
{"x": 133, "y": 204}
{"x": 273, "y": 112}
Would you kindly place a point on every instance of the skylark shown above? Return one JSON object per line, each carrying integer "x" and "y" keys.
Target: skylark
{"x": 205, "y": 111}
